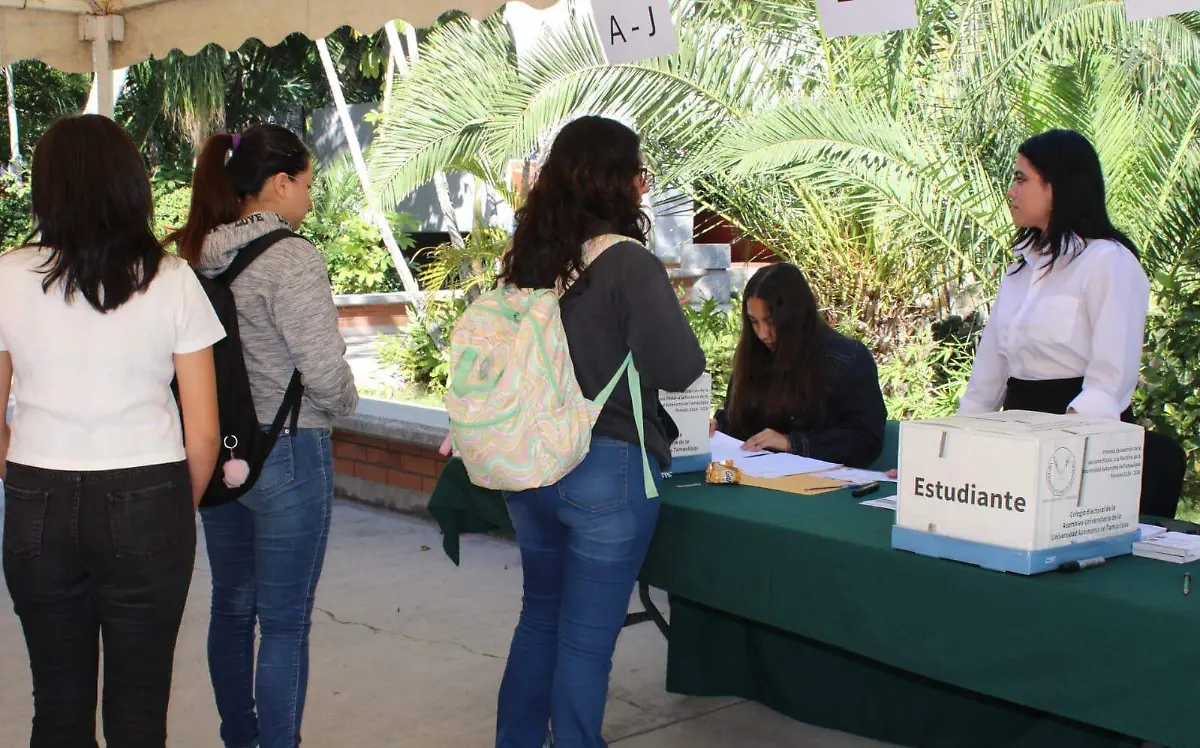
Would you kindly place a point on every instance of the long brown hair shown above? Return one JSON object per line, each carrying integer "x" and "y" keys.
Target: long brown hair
{"x": 93, "y": 209}
{"x": 789, "y": 382}
{"x": 585, "y": 188}
{"x": 230, "y": 169}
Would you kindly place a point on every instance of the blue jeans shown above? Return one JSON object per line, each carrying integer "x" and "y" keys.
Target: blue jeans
{"x": 266, "y": 552}
{"x": 582, "y": 543}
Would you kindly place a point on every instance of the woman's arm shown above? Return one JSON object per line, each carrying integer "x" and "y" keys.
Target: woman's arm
{"x": 6, "y": 372}
{"x": 306, "y": 317}
{"x": 1117, "y": 297}
{"x": 197, "y": 380}
{"x": 665, "y": 350}
{"x": 853, "y": 431}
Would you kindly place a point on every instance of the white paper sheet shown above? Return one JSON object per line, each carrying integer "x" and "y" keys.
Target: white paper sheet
{"x": 778, "y": 465}
{"x": 725, "y": 447}
{"x": 887, "y": 502}
{"x": 855, "y": 475}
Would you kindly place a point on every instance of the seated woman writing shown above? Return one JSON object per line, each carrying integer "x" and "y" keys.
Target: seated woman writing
{"x": 797, "y": 385}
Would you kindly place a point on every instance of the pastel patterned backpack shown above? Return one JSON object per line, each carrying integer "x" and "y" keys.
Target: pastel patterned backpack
{"x": 518, "y": 419}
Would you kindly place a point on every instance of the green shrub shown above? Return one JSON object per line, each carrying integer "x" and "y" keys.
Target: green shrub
{"x": 172, "y": 200}
{"x": 16, "y": 212}
{"x": 414, "y": 353}
{"x": 1169, "y": 399}
{"x": 717, "y": 330}
{"x": 355, "y": 254}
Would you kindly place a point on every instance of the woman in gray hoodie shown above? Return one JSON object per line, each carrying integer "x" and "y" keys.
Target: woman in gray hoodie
{"x": 266, "y": 549}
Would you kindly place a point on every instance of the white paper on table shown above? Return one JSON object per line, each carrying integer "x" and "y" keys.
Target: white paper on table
{"x": 780, "y": 464}
{"x": 725, "y": 447}
{"x": 887, "y": 502}
{"x": 855, "y": 475}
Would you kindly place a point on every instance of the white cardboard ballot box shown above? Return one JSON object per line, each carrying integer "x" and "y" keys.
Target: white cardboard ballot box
{"x": 1018, "y": 491}
{"x": 691, "y": 410}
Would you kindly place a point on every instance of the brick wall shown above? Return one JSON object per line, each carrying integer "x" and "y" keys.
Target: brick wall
{"x": 367, "y": 316}
{"x": 408, "y": 469}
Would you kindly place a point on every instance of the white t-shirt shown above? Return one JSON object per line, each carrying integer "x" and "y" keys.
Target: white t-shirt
{"x": 1085, "y": 318}
{"x": 92, "y": 390}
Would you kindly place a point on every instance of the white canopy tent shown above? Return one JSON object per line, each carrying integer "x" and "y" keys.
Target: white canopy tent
{"x": 81, "y": 36}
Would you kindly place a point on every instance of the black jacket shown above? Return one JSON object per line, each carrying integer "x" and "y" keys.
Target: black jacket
{"x": 849, "y": 429}
{"x": 624, "y": 302}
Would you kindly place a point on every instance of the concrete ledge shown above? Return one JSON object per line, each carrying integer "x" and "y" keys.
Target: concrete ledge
{"x": 379, "y": 299}
{"x": 381, "y": 495}
{"x": 398, "y": 422}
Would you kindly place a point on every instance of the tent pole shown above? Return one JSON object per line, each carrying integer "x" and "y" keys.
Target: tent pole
{"x": 360, "y": 166}
{"x": 102, "y": 31}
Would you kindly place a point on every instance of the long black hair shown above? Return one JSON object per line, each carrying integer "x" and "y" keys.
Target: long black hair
{"x": 93, "y": 208}
{"x": 789, "y": 382}
{"x": 230, "y": 169}
{"x": 585, "y": 188}
{"x": 1067, "y": 162}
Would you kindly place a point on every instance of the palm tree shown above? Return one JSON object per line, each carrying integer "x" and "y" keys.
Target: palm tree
{"x": 879, "y": 164}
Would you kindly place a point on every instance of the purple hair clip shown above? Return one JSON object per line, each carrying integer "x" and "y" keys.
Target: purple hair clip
{"x": 237, "y": 140}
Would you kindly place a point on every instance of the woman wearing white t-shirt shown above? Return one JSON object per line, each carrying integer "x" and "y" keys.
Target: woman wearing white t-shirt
{"x": 101, "y": 481}
{"x": 1065, "y": 334}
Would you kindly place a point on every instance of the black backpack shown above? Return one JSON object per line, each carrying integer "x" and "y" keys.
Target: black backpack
{"x": 242, "y": 436}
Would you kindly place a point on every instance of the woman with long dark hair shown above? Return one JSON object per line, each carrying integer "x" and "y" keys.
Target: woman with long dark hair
{"x": 583, "y": 539}
{"x": 1066, "y": 331}
{"x": 102, "y": 480}
{"x": 267, "y": 548}
{"x": 797, "y": 385}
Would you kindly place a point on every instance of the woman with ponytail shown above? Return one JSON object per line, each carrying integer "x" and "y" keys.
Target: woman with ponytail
{"x": 266, "y": 549}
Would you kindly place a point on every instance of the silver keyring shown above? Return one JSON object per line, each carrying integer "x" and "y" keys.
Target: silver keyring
{"x": 229, "y": 446}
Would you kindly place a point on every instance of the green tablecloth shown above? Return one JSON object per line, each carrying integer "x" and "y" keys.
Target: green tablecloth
{"x": 801, "y": 603}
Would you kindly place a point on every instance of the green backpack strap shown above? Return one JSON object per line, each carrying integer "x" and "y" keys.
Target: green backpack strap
{"x": 635, "y": 395}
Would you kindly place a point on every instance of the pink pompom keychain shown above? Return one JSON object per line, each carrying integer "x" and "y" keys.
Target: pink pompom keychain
{"x": 235, "y": 471}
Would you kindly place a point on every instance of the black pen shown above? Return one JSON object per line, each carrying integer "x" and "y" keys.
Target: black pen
{"x": 1086, "y": 563}
{"x": 864, "y": 489}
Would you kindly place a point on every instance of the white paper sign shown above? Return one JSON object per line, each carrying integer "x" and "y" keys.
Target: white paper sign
{"x": 690, "y": 411}
{"x": 1140, "y": 10}
{"x": 634, "y": 30}
{"x": 862, "y": 17}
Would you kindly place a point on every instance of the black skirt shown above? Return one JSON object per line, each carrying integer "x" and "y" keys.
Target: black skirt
{"x": 1164, "y": 463}
{"x": 1047, "y": 396}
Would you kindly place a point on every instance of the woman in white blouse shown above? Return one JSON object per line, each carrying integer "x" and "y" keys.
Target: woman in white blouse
{"x": 1066, "y": 331}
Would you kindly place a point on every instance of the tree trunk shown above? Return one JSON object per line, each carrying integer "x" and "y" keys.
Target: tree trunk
{"x": 360, "y": 166}
{"x": 16, "y": 164}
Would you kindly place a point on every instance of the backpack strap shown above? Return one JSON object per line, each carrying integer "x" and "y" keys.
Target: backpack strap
{"x": 592, "y": 249}
{"x": 294, "y": 396}
{"x": 635, "y": 396}
{"x": 251, "y": 252}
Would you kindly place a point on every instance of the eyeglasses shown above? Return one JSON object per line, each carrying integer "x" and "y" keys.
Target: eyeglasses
{"x": 646, "y": 177}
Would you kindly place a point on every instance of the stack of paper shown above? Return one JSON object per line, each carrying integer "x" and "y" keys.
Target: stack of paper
{"x": 856, "y": 475}
{"x": 779, "y": 464}
{"x": 1176, "y": 547}
{"x": 725, "y": 447}
{"x": 1149, "y": 531}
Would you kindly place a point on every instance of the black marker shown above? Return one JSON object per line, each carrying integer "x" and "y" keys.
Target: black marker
{"x": 1086, "y": 563}
{"x": 865, "y": 489}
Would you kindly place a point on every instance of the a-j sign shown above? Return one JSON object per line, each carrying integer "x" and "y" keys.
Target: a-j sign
{"x": 1140, "y": 10}
{"x": 862, "y": 17}
{"x": 633, "y": 30}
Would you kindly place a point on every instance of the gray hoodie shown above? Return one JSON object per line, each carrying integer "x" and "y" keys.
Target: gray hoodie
{"x": 287, "y": 321}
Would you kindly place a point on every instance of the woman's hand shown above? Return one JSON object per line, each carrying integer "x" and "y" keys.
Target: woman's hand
{"x": 769, "y": 439}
